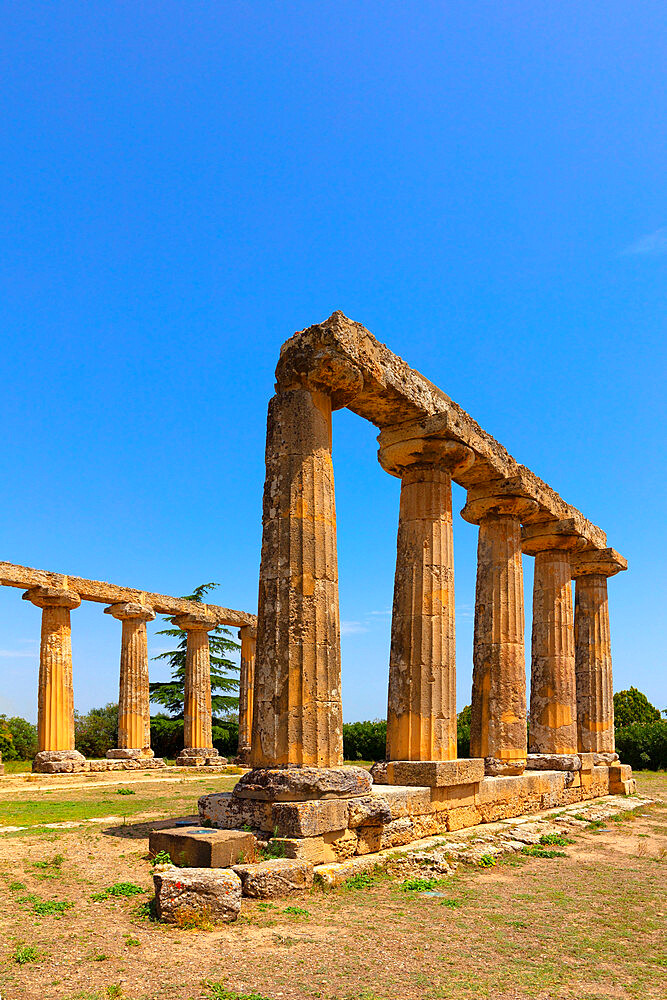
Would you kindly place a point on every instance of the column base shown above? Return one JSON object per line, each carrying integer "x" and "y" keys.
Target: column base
{"x": 200, "y": 757}
{"x": 553, "y": 762}
{"x": 128, "y": 753}
{"x": 495, "y": 768}
{"x": 434, "y": 773}
{"x": 243, "y": 755}
{"x": 301, "y": 784}
{"x": 59, "y": 762}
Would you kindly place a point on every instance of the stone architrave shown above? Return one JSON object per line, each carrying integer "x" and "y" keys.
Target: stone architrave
{"x": 498, "y": 730}
{"x": 297, "y": 708}
{"x": 595, "y": 700}
{"x": 134, "y": 718}
{"x": 55, "y": 702}
{"x": 421, "y": 713}
{"x": 248, "y": 637}
{"x": 198, "y": 724}
{"x": 553, "y": 699}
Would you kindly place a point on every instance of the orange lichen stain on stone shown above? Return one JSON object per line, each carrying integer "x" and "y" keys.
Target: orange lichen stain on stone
{"x": 556, "y": 715}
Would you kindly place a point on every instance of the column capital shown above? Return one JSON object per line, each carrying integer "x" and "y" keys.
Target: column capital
{"x": 551, "y": 535}
{"x": 498, "y": 498}
{"x": 337, "y": 377}
{"x": 248, "y": 631}
{"x": 129, "y": 610}
{"x": 195, "y": 623}
{"x": 407, "y": 446}
{"x": 601, "y": 562}
{"x": 52, "y": 597}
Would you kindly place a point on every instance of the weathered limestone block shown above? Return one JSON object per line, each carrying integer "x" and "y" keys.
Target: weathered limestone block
{"x": 595, "y": 702}
{"x": 59, "y": 762}
{"x": 134, "y": 717}
{"x": 498, "y": 721}
{"x": 369, "y": 839}
{"x": 434, "y": 774}
{"x": 278, "y": 877}
{"x": 421, "y": 714}
{"x": 605, "y": 759}
{"x": 129, "y": 753}
{"x": 317, "y": 850}
{"x": 200, "y": 757}
{"x": 379, "y": 772}
{"x": 407, "y": 800}
{"x": 553, "y": 762}
{"x": 55, "y": 699}
{"x": 184, "y": 893}
{"x": 454, "y": 796}
{"x": 309, "y": 819}
{"x": 297, "y": 709}
{"x": 370, "y": 811}
{"x": 458, "y": 819}
{"x": 200, "y": 847}
{"x": 298, "y": 784}
{"x": 226, "y": 812}
{"x": 248, "y": 638}
{"x": 553, "y": 699}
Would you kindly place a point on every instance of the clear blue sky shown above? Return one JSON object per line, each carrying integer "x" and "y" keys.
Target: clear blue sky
{"x": 184, "y": 185}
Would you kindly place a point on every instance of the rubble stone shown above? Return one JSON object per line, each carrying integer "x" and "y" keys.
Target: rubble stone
{"x": 274, "y": 878}
{"x": 297, "y": 784}
{"x": 182, "y": 894}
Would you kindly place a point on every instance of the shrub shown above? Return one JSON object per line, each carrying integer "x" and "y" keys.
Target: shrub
{"x": 365, "y": 740}
{"x": 96, "y": 731}
{"x": 18, "y": 738}
{"x": 632, "y": 706}
{"x": 463, "y": 732}
{"x": 643, "y": 745}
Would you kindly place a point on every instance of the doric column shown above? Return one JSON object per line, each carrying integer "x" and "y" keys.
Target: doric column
{"x": 248, "y": 637}
{"x": 595, "y": 701}
{"x": 55, "y": 702}
{"x": 498, "y": 719}
{"x": 297, "y": 711}
{"x": 134, "y": 718}
{"x": 197, "y": 709}
{"x": 553, "y": 700}
{"x": 421, "y": 713}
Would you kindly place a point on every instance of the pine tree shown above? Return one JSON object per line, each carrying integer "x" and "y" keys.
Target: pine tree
{"x": 171, "y": 694}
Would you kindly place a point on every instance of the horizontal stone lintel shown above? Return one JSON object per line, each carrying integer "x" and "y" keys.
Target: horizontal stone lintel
{"x": 25, "y": 577}
{"x": 394, "y": 394}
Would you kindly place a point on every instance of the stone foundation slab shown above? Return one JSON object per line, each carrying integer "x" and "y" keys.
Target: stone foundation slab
{"x": 434, "y": 773}
{"x": 201, "y": 847}
{"x": 72, "y": 762}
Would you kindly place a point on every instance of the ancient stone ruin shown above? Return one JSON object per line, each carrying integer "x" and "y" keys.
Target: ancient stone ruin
{"x": 57, "y": 595}
{"x": 298, "y": 792}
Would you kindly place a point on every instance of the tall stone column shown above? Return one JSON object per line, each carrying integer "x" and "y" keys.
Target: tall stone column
{"x": 553, "y": 700}
{"x": 134, "y": 717}
{"x": 55, "y": 701}
{"x": 248, "y": 637}
{"x": 595, "y": 700}
{"x": 421, "y": 713}
{"x": 198, "y": 739}
{"x": 498, "y": 729}
{"x": 297, "y": 709}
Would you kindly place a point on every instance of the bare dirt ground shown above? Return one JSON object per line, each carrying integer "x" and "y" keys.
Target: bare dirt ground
{"x": 590, "y": 926}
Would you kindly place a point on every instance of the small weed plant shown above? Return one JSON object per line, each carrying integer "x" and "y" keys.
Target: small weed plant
{"x": 296, "y": 911}
{"x": 487, "y": 861}
{"x": 219, "y": 992}
{"x": 161, "y": 858}
{"x": 25, "y": 953}
{"x": 118, "y": 891}
{"x": 51, "y": 907}
{"x": 421, "y": 884}
{"x": 125, "y": 791}
{"x": 535, "y": 851}
{"x": 549, "y": 839}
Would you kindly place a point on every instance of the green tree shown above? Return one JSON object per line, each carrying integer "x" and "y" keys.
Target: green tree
{"x": 18, "y": 738}
{"x": 632, "y": 706}
{"x": 96, "y": 731}
{"x": 171, "y": 694}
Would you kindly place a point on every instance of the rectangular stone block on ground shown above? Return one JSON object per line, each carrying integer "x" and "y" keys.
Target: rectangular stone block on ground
{"x": 435, "y": 773}
{"x": 182, "y": 895}
{"x": 553, "y": 762}
{"x": 226, "y": 812}
{"x": 201, "y": 847}
{"x": 277, "y": 877}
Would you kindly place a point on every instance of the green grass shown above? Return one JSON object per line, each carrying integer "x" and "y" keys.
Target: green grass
{"x": 540, "y": 852}
{"x": 51, "y": 907}
{"x": 219, "y": 992}
{"x": 421, "y": 884}
{"x": 118, "y": 891}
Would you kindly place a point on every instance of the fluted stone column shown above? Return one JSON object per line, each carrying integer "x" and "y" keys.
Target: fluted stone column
{"x": 198, "y": 739}
{"x": 55, "y": 702}
{"x": 553, "y": 700}
{"x": 297, "y": 711}
{"x": 595, "y": 700}
{"x": 498, "y": 729}
{"x": 248, "y": 637}
{"x": 421, "y": 713}
{"x": 134, "y": 717}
